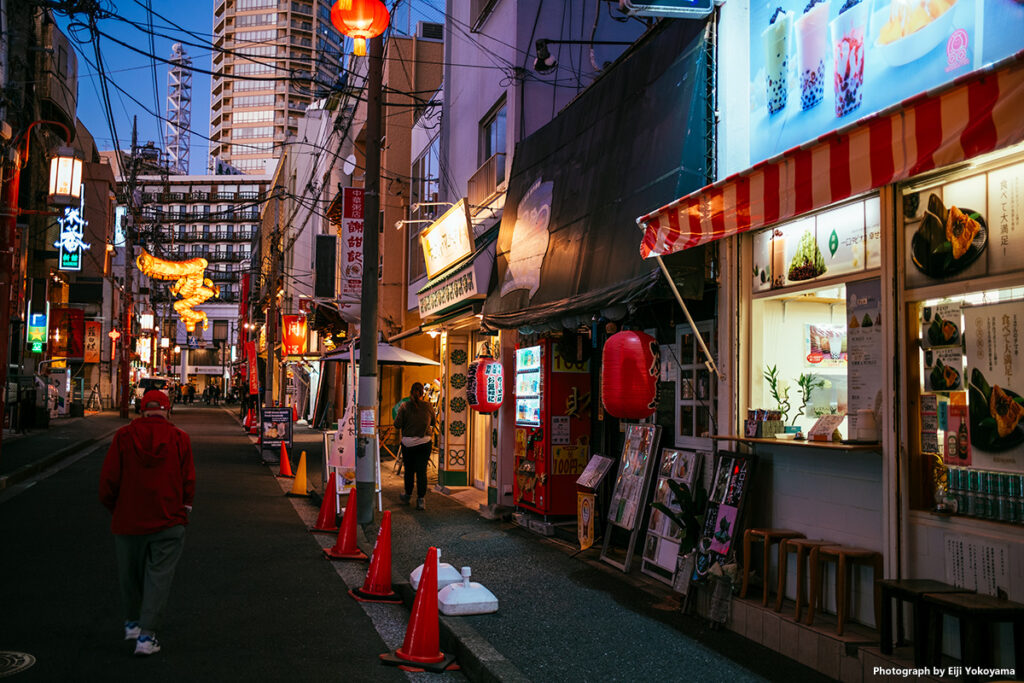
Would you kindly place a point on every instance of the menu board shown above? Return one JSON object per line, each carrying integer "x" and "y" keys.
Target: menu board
{"x": 839, "y": 241}
{"x": 661, "y": 548}
{"x": 995, "y": 383}
{"x": 818, "y": 66}
{"x": 275, "y": 427}
{"x": 725, "y": 505}
{"x": 865, "y": 348}
{"x": 969, "y": 228}
{"x": 634, "y": 467}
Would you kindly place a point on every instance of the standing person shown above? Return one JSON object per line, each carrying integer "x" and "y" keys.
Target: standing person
{"x": 147, "y": 482}
{"x": 415, "y": 422}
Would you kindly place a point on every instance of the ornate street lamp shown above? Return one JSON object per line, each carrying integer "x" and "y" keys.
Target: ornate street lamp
{"x": 65, "y": 178}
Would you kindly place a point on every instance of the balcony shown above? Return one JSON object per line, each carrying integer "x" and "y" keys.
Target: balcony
{"x": 483, "y": 185}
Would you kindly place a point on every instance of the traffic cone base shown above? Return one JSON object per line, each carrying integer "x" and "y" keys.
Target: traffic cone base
{"x": 362, "y": 596}
{"x": 446, "y": 663}
{"x": 345, "y": 547}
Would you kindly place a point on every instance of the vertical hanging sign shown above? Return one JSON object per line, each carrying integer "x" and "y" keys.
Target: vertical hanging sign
{"x": 70, "y": 242}
{"x": 352, "y": 245}
{"x": 93, "y": 332}
{"x": 254, "y": 380}
{"x": 294, "y": 327}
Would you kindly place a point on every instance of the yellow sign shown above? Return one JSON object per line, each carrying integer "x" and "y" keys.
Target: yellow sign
{"x": 190, "y": 284}
{"x": 568, "y": 459}
{"x": 585, "y": 519}
{"x": 562, "y": 365}
{"x": 447, "y": 240}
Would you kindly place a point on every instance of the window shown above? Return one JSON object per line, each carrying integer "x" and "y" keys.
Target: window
{"x": 246, "y": 20}
{"x": 251, "y": 69}
{"x": 252, "y": 116}
{"x": 254, "y": 101}
{"x": 425, "y": 187}
{"x": 492, "y": 131}
{"x": 695, "y": 387}
{"x": 244, "y": 5}
{"x": 243, "y": 86}
{"x": 257, "y": 132}
{"x": 258, "y": 51}
{"x": 255, "y": 36}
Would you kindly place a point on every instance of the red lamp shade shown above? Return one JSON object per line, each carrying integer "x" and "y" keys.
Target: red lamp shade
{"x": 485, "y": 386}
{"x": 629, "y": 377}
{"x": 360, "y": 20}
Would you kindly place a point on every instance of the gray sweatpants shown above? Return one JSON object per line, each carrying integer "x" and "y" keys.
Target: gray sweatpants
{"x": 145, "y": 567}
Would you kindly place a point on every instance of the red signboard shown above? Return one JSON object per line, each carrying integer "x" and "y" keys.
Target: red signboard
{"x": 254, "y": 380}
{"x": 294, "y": 327}
{"x": 67, "y": 332}
{"x": 351, "y": 265}
{"x": 93, "y": 338}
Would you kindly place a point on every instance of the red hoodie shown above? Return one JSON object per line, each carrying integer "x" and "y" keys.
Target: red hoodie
{"x": 148, "y": 477}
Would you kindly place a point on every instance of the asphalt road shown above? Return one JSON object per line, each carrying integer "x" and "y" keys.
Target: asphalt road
{"x": 252, "y": 599}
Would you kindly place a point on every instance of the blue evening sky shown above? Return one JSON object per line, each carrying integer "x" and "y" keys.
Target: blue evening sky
{"x": 134, "y": 72}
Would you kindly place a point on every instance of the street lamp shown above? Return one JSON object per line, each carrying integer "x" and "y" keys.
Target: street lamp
{"x": 65, "y": 178}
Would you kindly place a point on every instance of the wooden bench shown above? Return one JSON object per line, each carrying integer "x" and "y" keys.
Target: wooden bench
{"x": 975, "y": 612}
{"x": 913, "y": 592}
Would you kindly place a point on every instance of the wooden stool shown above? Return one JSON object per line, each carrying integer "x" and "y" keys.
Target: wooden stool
{"x": 802, "y": 547}
{"x": 844, "y": 557}
{"x": 912, "y": 591}
{"x": 975, "y": 612}
{"x": 767, "y": 537}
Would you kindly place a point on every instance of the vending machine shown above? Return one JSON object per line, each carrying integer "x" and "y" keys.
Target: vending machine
{"x": 552, "y": 431}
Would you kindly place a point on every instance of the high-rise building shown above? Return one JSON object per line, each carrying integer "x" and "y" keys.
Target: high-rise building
{"x": 274, "y": 57}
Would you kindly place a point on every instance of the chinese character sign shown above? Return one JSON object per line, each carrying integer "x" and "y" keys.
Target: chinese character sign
{"x": 294, "y": 327}
{"x": 352, "y": 245}
{"x": 93, "y": 332}
{"x": 70, "y": 242}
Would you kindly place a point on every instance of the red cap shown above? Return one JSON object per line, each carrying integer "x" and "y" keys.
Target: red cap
{"x": 155, "y": 399}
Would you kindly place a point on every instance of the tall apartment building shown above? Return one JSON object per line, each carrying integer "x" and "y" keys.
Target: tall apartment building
{"x": 274, "y": 58}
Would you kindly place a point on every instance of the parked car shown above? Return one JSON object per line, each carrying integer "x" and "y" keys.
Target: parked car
{"x": 164, "y": 384}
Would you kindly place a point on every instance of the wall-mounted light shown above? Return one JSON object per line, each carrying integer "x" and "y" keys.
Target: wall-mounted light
{"x": 400, "y": 224}
{"x": 177, "y": 349}
{"x": 65, "y": 178}
{"x": 433, "y": 333}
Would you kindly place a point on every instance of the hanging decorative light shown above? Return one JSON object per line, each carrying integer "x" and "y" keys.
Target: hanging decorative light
{"x": 65, "y": 178}
{"x": 360, "y": 20}
{"x": 485, "y": 388}
{"x": 629, "y": 379}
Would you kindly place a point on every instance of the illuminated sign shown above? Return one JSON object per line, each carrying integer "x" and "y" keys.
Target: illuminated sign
{"x": 37, "y": 329}
{"x": 676, "y": 9}
{"x": 37, "y": 347}
{"x": 70, "y": 243}
{"x": 191, "y": 285}
{"x": 120, "y": 213}
{"x": 447, "y": 240}
{"x": 294, "y": 334}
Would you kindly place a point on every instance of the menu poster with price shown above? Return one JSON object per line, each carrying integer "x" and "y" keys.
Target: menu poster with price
{"x": 864, "y": 345}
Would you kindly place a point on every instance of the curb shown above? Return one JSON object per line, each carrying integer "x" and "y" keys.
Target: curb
{"x": 33, "y": 468}
{"x": 474, "y": 653}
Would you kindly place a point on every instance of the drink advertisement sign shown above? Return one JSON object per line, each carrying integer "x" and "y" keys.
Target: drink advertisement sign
{"x": 818, "y": 65}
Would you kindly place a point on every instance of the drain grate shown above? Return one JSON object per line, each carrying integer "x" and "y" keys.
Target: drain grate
{"x": 14, "y": 662}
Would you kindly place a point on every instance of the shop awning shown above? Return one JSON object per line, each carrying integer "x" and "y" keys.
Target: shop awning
{"x": 386, "y": 355}
{"x": 977, "y": 113}
{"x": 567, "y": 240}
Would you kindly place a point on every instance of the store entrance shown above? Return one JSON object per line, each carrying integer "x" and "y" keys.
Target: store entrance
{"x": 479, "y": 428}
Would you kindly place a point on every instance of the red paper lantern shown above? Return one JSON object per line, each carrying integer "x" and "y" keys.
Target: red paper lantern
{"x": 486, "y": 385}
{"x": 360, "y": 20}
{"x": 629, "y": 377}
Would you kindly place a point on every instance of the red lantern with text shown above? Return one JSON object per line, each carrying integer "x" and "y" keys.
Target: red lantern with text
{"x": 629, "y": 377}
{"x": 486, "y": 385}
{"x": 360, "y": 20}
{"x": 294, "y": 334}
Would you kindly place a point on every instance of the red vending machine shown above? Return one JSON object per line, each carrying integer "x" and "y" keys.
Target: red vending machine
{"x": 552, "y": 444}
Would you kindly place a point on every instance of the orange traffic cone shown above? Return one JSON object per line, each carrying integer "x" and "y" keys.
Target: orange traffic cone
{"x": 295, "y": 413}
{"x": 299, "y": 487}
{"x": 286, "y": 464}
{"x": 247, "y": 422}
{"x": 421, "y": 649}
{"x": 254, "y": 425}
{"x": 326, "y": 521}
{"x": 377, "y": 586}
{"x": 345, "y": 547}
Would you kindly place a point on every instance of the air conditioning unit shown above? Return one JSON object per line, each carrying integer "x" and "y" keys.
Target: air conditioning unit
{"x": 58, "y": 78}
{"x": 429, "y": 30}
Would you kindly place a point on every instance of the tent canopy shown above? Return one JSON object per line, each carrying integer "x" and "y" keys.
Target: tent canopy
{"x": 386, "y": 355}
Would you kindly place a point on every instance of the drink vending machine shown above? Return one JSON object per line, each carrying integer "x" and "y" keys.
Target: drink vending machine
{"x": 552, "y": 432}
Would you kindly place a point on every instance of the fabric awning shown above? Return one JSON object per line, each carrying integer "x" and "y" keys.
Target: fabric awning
{"x": 977, "y": 113}
{"x": 386, "y": 355}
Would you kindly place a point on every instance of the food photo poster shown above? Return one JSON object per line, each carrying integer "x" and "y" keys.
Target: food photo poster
{"x": 995, "y": 383}
{"x": 819, "y": 65}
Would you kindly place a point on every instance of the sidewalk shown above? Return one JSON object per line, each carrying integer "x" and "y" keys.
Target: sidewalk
{"x": 24, "y": 455}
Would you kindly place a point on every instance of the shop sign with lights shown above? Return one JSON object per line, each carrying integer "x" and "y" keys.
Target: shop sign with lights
{"x": 447, "y": 240}
{"x": 294, "y": 334}
{"x": 37, "y": 331}
{"x": 71, "y": 242}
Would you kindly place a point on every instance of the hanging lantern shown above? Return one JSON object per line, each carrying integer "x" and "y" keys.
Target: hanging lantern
{"x": 629, "y": 377}
{"x": 360, "y": 20}
{"x": 486, "y": 385}
{"x": 65, "y": 178}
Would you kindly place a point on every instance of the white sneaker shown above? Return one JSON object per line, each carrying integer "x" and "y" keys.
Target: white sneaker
{"x": 132, "y": 630}
{"x": 147, "y": 645}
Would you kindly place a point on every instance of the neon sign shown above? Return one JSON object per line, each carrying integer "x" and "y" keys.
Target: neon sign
{"x": 70, "y": 242}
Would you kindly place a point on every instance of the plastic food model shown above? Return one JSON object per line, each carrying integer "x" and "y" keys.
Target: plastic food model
{"x": 960, "y": 231}
{"x": 1005, "y": 410}
{"x": 190, "y": 285}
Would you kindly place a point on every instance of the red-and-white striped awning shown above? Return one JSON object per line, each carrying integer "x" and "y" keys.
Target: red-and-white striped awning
{"x": 977, "y": 113}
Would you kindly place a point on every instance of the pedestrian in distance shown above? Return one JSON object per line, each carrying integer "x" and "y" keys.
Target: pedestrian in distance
{"x": 148, "y": 482}
{"x": 415, "y": 422}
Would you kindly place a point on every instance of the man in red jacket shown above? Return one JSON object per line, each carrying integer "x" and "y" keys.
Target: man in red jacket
{"x": 148, "y": 481}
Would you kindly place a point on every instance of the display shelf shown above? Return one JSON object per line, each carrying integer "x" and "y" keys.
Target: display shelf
{"x": 825, "y": 445}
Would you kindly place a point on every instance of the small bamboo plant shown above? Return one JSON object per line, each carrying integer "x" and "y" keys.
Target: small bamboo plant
{"x": 807, "y": 384}
{"x": 690, "y": 515}
{"x": 778, "y": 389}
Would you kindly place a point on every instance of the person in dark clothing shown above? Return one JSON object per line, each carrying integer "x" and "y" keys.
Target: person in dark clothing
{"x": 148, "y": 483}
{"x": 415, "y": 422}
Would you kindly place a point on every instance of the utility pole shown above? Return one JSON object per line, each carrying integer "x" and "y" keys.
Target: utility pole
{"x": 129, "y": 256}
{"x": 366, "y": 398}
{"x": 268, "y": 394}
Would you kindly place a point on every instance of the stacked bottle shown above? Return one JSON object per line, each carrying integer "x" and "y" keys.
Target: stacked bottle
{"x": 988, "y": 495}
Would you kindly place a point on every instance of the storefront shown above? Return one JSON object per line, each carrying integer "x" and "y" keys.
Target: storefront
{"x": 871, "y": 286}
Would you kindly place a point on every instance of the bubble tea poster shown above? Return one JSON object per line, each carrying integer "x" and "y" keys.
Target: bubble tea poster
{"x": 819, "y": 65}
